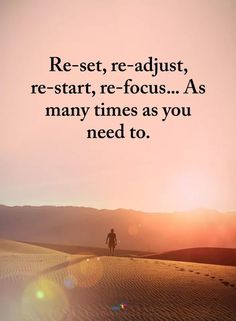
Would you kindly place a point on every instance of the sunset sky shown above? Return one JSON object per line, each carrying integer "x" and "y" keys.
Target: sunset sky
{"x": 188, "y": 162}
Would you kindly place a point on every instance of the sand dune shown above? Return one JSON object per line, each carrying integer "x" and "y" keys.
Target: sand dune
{"x": 8, "y": 246}
{"x": 209, "y": 255}
{"x": 100, "y": 251}
{"x": 218, "y": 256}
{"x": 59, "y": 287}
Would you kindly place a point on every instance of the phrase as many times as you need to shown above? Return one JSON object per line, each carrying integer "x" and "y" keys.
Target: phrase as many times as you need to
{"x": 107, "y": 84}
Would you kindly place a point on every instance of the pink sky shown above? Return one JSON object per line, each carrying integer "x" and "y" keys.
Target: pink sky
{"x": 186, "y": 163}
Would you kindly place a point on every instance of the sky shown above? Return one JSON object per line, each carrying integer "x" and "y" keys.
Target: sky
{"x": 188, "y": 162}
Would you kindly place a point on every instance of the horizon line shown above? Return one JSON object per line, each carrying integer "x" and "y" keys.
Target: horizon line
{"x": 198, "y": 209}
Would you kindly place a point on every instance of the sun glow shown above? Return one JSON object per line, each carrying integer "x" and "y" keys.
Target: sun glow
{"x": 194, "y": 190}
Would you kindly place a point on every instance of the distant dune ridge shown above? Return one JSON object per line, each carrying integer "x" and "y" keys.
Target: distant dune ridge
{"x": 220, "y": 256}
{"x": 209, "y": 255}
{"x": 159, "y": 232}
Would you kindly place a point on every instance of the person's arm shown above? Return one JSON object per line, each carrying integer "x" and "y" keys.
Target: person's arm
{"x": 107, "y": 238}
{"x": 115, "y": 240}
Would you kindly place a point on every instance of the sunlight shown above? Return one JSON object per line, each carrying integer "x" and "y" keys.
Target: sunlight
{"x": 194, "y": 190}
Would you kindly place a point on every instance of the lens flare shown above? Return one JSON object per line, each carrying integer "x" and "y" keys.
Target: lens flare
{"x": 134, "y": 229}
{"x": 123, "y": 306}
{"x": 119, "y": 307}
{"x": 43, "y": 297}
{"x": 70, "y": 282}
{"x": 86, "y": 273}
{"x": 40, "y": 294}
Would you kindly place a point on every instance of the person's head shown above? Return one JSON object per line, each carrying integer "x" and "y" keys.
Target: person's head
{"x": 112, "y": 230}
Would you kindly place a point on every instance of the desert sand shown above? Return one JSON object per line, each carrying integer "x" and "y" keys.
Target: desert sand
{"x": 40, "y": 284}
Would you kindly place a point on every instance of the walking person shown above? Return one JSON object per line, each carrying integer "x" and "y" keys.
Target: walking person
{"x": 112, "y": 241}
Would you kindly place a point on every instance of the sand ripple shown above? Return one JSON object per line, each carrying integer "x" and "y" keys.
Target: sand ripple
{"x": 52, "y": 287}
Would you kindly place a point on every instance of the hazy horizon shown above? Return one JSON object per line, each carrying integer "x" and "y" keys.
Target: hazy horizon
{"x": 135, "y": 230}
{"x": 196, "y": 209}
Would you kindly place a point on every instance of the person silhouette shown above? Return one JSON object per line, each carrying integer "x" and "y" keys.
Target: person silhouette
{"x": 112, "y": 241}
